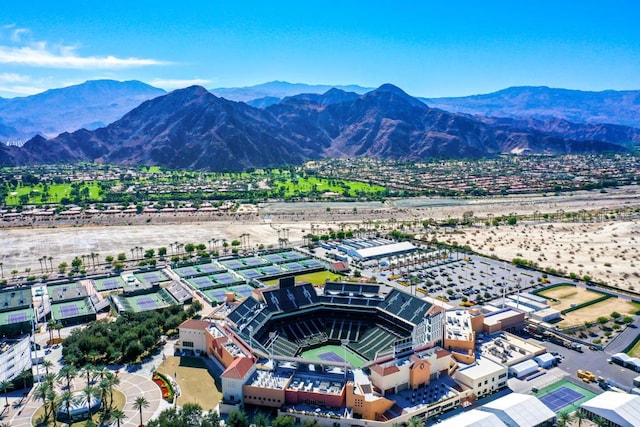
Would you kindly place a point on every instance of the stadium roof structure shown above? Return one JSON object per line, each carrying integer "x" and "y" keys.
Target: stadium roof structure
{"x": 619, "y": 408}
{"x": 384, "y": 250}
{"x": 473, "y": 418}
{"x": 405, "y": 306}
{"x": 520, "y": 410}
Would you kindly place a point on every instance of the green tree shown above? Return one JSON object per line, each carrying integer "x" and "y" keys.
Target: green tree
{"x": 5, "y": 386}
{"x": 261, "y": 420}
{"x": 563, "y": 419}
{"x": 118, "y": 415}
{"x": 239, "y": 418}
{"x": 415, "y": 422}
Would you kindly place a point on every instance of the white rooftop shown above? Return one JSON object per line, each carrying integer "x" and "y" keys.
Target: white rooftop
{"x": 620, "y": 408}
{"x": 520, "y": 409}
{"x": 481, "y": 368}
{"x": 473, "y": 418}
{"x": 380, "y": 251}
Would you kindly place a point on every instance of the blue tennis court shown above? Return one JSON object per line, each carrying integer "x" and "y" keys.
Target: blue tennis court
{"x": 275, "y": 258}
{"x": 225, "y": 279}
{"x": 255, "y": 262}
{"x": 203, "y": 282}
{"x": 312, "y": 263}
{"x": 331, "y": 357}
{"x": 108, "y": 284}
{"x": 186, "y": 271}
{"x": 560, "y": 398}
{"x": 152, "y": 277}
{"x": 233, "y": 264}
{"x": 292, "y": 256}
{"x": 251, "y": 273}
{"x": 271, "y": 270}
{"x": 18, "y": 317}
{"x": 210, "y": 268}
{"x": 292, "y": 266}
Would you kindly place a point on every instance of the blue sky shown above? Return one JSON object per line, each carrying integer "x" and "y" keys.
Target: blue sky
{"x": 450, "y": 48}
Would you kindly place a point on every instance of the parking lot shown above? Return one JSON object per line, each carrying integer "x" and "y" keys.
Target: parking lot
{"x": 461, "y": 280}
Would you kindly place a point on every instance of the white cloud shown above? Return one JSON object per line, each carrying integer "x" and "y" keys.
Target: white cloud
{"x": 14, "y": 78}
{"x": 17, "y": 33}
{"x": 19, "y": 84}
{"x": 45, "y": 55}
{"x": 177, "y": 83}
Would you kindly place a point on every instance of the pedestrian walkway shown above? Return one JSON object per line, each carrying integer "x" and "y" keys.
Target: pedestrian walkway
{"x": 133, "y": 384}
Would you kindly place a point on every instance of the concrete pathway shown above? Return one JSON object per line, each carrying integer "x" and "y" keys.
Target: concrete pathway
{"x": 135, "y": 381}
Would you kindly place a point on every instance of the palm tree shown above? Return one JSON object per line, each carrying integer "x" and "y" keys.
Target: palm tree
{"x": 5, "y": 385}
{"x": 563, "y": 419}
{"x": 114, "y": 381}
{"x": 51, "y": 397}
{"x": 50, "y": 327}
{"x": 90, "y": 392}
{"x": 67, "y": 372}
{"x": 47, "y": 364}
{"x": 415, "y": 422}
{"x": 140, "y": 403}
{"x": 118, "y": 415}
{"x": 579, "y": 415}
{"x": 89, "y": 370}
{"x": 599, "y": 421}
{"x": 68, "y": 398}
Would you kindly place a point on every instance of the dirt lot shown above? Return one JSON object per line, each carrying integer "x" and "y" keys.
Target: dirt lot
{"x": 592, "y": 312}
{"x": 196, "y": 384}
{"x": 569, "y": 295}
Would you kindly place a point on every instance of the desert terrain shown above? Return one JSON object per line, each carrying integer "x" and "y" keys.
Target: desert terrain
{"x": 600, "y": 241}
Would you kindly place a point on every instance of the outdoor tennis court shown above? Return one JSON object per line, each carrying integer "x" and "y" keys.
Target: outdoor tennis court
{"x": 292, "y": 266}
{"x": 188, "y": 271}
{"x": 312, "y": 263}
{"x": 202, "y": 282}
{"x": 292, "y": 255}
{"x": 233, "y": 264}
{"x": 225, "y": 279}
{"x": 255, "y": 262}
{"x": 275, "y": 258}
{"x": 210, "y": 268}
{"x": 218, "y": 295}
{"x": 563, "y": 395}
{"x": 69, "y": 310}
{"x": 334, "y": 353}
{"x": 152, "y": 277}
{"x": 560, "y": 398}
{"x": 146, "y": 302}
{"x": 108, "y": 284}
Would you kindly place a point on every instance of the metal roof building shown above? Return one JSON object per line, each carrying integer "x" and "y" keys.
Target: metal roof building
{"x": 619, "y": 409}
{"x": 473, "y": 418}
{"x": 521, "y": 410}
{"x": 383, "y": 250}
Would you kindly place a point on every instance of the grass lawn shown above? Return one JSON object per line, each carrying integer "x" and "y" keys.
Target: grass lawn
{"x": 635, "y": 351}
{"x": 196, "y": 383}
{"x": 353, "y": 358}
{"x": 306, "y": 185}
{"x": 56, "y": 193}
{"x": 317, "y": 278}
{"x": 569, "y": 295}
{"x": 119, "y": 400}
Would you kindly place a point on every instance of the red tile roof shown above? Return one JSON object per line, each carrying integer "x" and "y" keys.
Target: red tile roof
{"x": 238, "y": 368}
{"x": 195, "y": 324}
{"x": 385, "y": 370}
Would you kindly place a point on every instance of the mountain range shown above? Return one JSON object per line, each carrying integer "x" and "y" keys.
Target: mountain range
{"x": 89, "y": 105}
{"x": 543, "y": 103}
{"x": 193, "y": 129}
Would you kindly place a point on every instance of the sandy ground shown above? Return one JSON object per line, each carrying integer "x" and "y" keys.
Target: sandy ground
{"x": 603, "y": 248}
{"x": 605, "y": 251}
{"x": 592, "y": 312}
{"x": 568, "y": 296}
